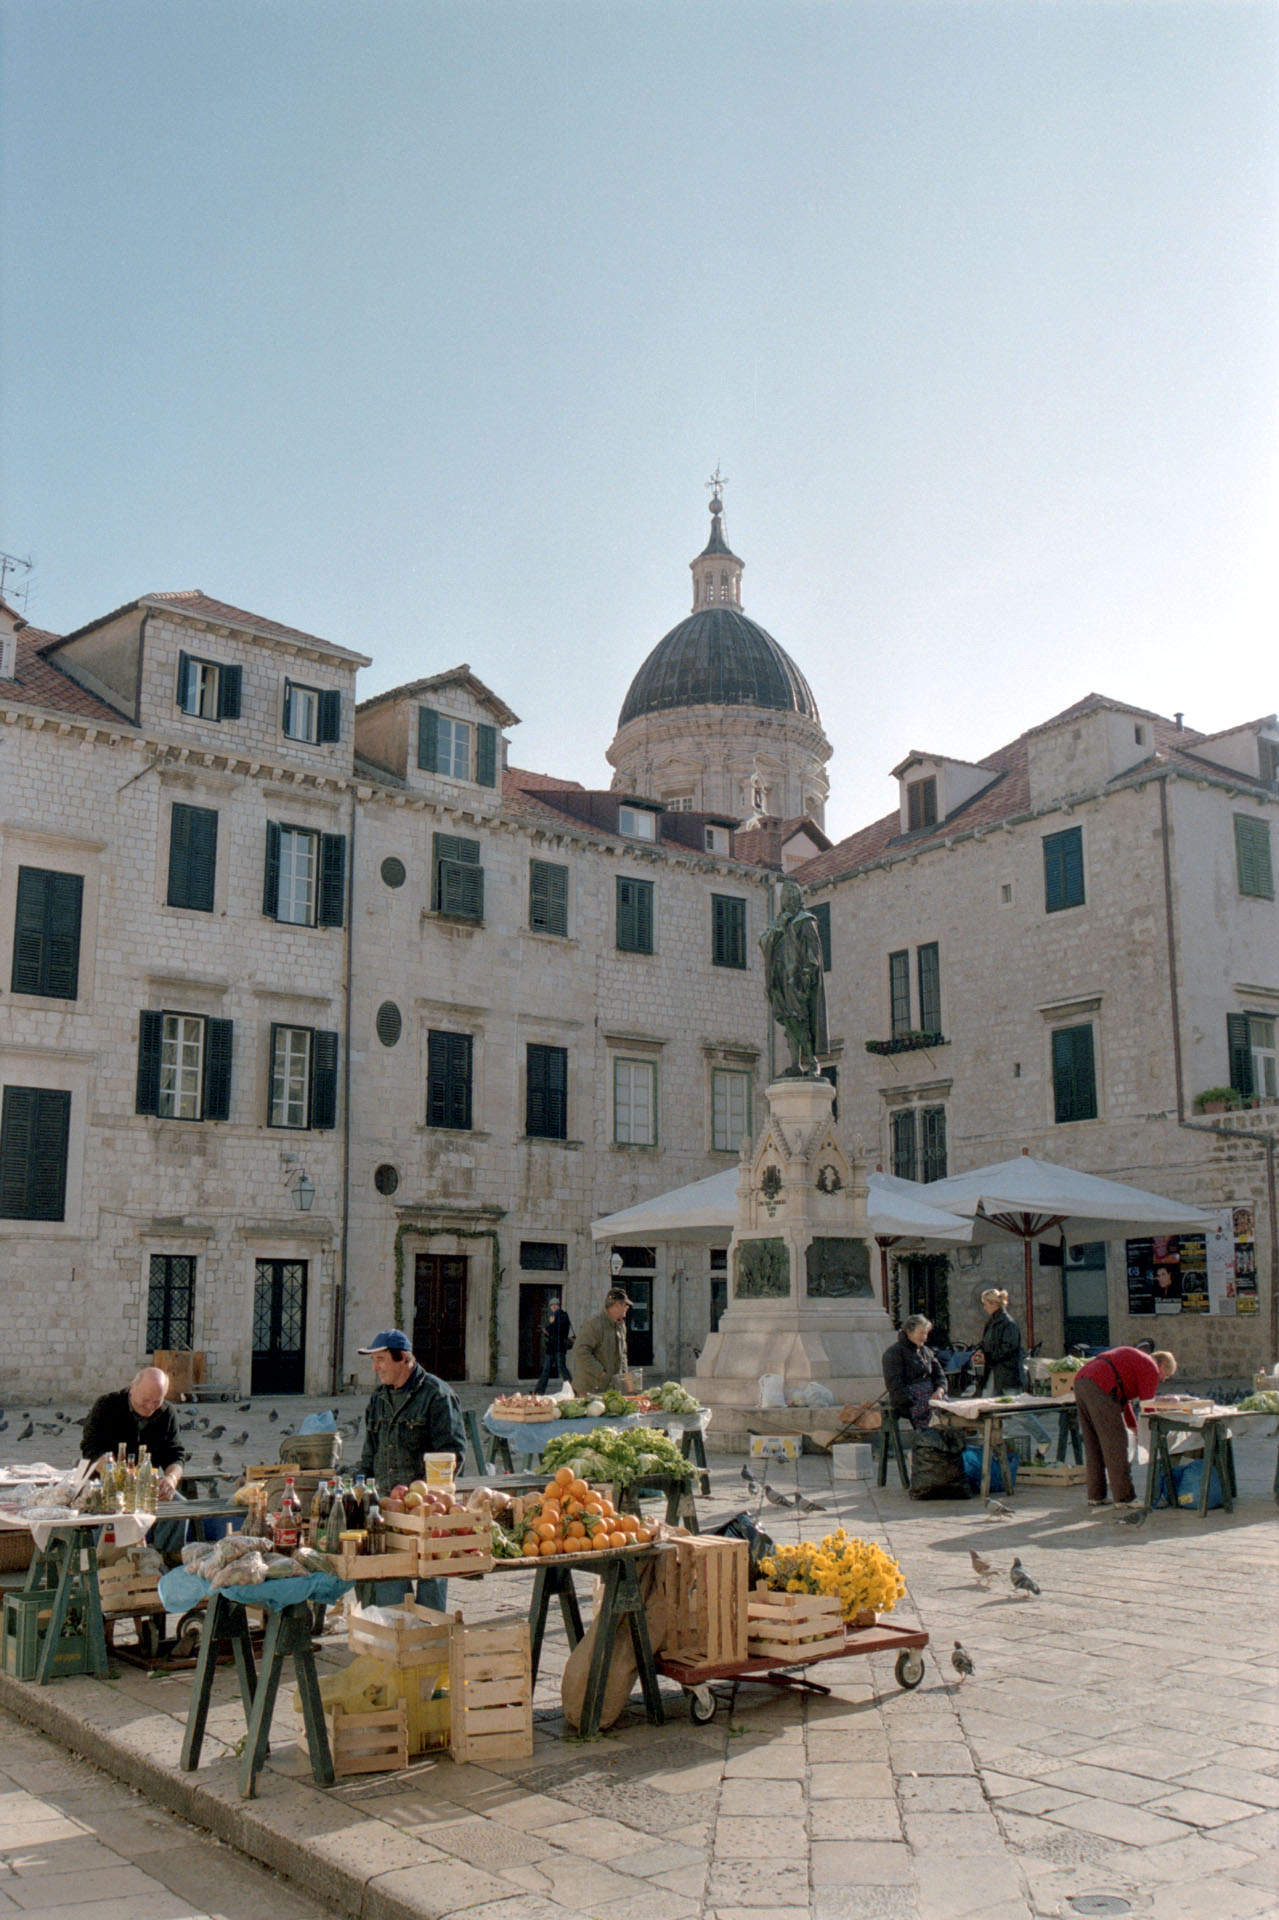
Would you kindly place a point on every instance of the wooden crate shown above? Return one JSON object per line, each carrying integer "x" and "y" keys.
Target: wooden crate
{"x": 1051, "y": 1473}
{"x": 523, "y": 1416}
{"x": 416, "y": 1637}
{"x": 369, "y": 1742}
{"x": 17, "y": 1548}
{"x": 184, "y": 1367}
{"x": 122, "y": 1590}
{"x": 1061, "y": 1384}
{"x": 791, "y": 1625}
{"x": 707, "y": 1584}
{"x": 391, "y": 1565}
{"x": 463, "y": 1543}
{"x": 491, "y": 1691}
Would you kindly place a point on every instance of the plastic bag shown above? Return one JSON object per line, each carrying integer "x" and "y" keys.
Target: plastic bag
{"x": 772, "y": 1390}
{"x": 972, "y": 1470}
{"x": 814, "y": 1394}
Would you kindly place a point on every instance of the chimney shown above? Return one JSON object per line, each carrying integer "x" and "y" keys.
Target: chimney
{"x": 1179, "y": 717}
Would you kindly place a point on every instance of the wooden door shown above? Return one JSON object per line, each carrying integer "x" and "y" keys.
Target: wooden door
{"x": 439, "y": 1314}
{"x": 279, "y": 1327}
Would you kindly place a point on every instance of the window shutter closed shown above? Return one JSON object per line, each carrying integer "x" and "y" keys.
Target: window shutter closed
{"x": 193, "y": 853}
{"x": 448, "y": 1080}
{"x": 1063, "y": 870}
{"x": 459, "y": 877}
{"x": 150, "y": 1031}
{"x": 329, "y": 720}
{"x": 547, "y": 1093}
{"x": 904, "y": 1162}
{"x": 34, "y": 1133}
{"x": 186, "y": 668}
{"x": 929, "y": 964}
{"x": 1239, "y": 1041}
{"x": 932, "y": 1127}
{"x": 332, "y": 899}
{"x": 46, "y": 938}
{"x": 1252, "y": 857}
{"x": 547, "y": 897}
{"x": 486, "y": 756}
{"x": 271, "y": 878}
{"x": 728, "y": 945}
{"x": 428, "y": 734}
{"x": 217, "y": 1070}
{"x": 324, "y": 1080}
{"x": 635, "y": 916}
{"x": 1074, "y": 1075}
{"x": 229, "y": 682}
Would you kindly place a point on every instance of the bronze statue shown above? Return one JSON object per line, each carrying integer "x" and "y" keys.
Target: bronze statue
{"x": 792, "y": 950}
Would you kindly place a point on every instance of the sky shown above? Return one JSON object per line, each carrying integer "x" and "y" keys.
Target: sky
{"x": 420, "y": 325}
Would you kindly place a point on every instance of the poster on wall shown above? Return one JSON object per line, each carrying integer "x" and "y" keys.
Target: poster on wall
{"x": 1196, "y": 1272}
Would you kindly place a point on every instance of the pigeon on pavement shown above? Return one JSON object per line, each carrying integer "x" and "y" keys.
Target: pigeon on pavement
{"x": 961, "y": 1660}
{"x": 245, "y": 1406}
{"x": 217, "y": 1458}
{"x": 982, "y": 1568}
{"x": 217, "y": 1433}
{"x": 808, "y": 1506}
{"x": 1136, "y": 1517}
{"x": 273, "y": 1415}
{"x": 1022, "y": 1582}
{"x": 241, "y": 1439}
{"x": 751, "y": 1481}
{"x": 996, "y": 1510}
{"x": 27, "y": 1431}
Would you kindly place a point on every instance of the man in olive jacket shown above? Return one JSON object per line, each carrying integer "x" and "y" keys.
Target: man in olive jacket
{"x": 599, "y": 1358}
{"x": 410, "y": 1413}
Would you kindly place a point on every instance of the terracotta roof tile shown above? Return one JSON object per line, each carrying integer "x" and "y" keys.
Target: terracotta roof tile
{"x": 40, "y": 683}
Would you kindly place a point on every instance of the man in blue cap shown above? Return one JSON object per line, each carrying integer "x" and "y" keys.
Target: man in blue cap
{"x": 410, "y": 1413}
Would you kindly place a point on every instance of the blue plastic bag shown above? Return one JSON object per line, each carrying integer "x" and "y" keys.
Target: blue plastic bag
{"x": 972, "y": 1470}
{"x": 1190, "y": 1480}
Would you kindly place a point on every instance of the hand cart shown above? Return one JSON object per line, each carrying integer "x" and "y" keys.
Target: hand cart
{"x": 908, "y": 1670}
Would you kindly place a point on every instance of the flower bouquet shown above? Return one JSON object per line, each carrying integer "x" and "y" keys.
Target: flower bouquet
{"x": 866, "y": 1580}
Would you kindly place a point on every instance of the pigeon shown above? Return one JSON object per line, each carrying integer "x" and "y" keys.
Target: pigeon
{"x": 241, "y": 1439}
{"x": 217, "y": 1433}
{"x": 4, "y": 1426}
{"x": 27, "y": 1431}
{"x": 982, "y": 1568}
{"x": 996, "y": 1510}
{"x": 808, "y": 1506}
{"x": 186, "y": 1426}
{"x": 751, "y": 1481}
{"x": 217, "y": 1458}
{"x": 273, "y": 1415}
{"x": 245, "y": 1406}
{"x": 962, "y": 1661}
{"x": 1136, "y": 1517}
{"x": 1022, "y": 1582}
{"x": 203, "y": 1423}
{"x": 779, "y": 1499}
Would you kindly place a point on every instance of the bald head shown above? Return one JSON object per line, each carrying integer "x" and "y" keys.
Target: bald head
{"x": 147, "y": 1391}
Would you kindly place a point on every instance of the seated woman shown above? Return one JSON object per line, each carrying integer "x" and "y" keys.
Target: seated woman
{"x": 997, "y": 1362}
{"x": 913, "y": 1373}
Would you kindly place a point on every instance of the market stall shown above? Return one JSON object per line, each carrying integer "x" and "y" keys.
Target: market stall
{"x": 987, "y": 1417}
{"x": 1172, "y": 1414}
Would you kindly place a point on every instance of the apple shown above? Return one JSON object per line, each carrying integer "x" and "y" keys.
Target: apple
{"x": 398, "y": 1493}
{"x": 418, "y": 1486}
{"x": 392, "y": 1505}
{"x": 413, "y": 1502}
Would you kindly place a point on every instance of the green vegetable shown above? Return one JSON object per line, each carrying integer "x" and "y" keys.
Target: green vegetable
{"x": 571, "y": 1409}
{"x": 622, "y": 1457}
{"x": 505, "y": 1545}
{"x": 616, "y": 1405}
{"x": 1265, "y": 1402}
{"x": 673, "y": 1398}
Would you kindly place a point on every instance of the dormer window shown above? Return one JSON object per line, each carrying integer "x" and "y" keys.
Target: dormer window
{"x": 636, "y": 824}
{"x": 453, "y": 753}
{"x": 456, "y": 748}
{"x": 717, "y": 839}
{"x": 8, "y": 656}
{"x": 921, "y": 803}
{"x": 1269, "y": 761}
{"x": 207, "y": 690}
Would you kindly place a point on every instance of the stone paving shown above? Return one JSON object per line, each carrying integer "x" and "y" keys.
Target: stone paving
{"x": 1119, "y": 1740}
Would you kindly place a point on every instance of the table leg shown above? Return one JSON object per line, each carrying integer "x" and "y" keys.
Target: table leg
{"x": 999, "y": 1447}
{"x": 206, "y": 1665}
{"x": 94, "y": 1625}
{"x": 620, "y": 1598}
{"x": 257, "y": 1738}
{"x": 692, "y": 1446}
{"x": 548, "y": 1581}
{"x": 987, "y": 1435}
{"x": 317, "y": 1732}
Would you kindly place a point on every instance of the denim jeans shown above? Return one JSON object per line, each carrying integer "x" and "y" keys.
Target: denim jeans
{"x": 430, "y": 1593}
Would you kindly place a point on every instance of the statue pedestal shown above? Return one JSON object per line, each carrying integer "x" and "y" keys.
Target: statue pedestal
{"x": 804, "y": 1301}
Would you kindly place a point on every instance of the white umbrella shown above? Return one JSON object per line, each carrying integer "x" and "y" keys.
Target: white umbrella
{"x": 1026, "y": 1199}
{"x": 706, "y": 1210}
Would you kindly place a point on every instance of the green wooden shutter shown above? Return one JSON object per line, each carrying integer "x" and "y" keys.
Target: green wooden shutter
{"x": 331, "y": 907}
{"x": 1239, "y": 1043}
{"x": 150, "y": 1034}
{"x": 324, "y": 1080}
{"x": 821, "y": 913}
{"x": 217, "y": 1070}
{"x": 448, "y": 1080}
{"x": 193, "y": 854}
{"x": 547, "y": 897}
{"x": 928, "y": 960}
{"x": 728, "y": 937}
{"x": 46, "y": 939}
{"x": 1074, "y": 1075}
{"x": 329, "y": 719}
{"x": 546, "y": 1106}
{"x": 35, "y": 1128}
{"x": 486, "y": 756}
{"x": 932, "y": 1128}
{"x": 271, "y": 871}
{"x": 230, "y": 680}
{"x": 428, "y": 734}
{"x": 186, "y": 668}
{"x": 905, "y": 1164}
{"x": 1063, "y": 870}
{"x": 899, "y": 990}
{"x": 459, "y": 877}
{"x": 635, "y": 916}
{"x": 1252, "y": 857}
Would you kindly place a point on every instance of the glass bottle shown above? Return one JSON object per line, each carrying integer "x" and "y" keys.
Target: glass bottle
{"x": 334, "y": 1526}
{"x": 321, "y": 1506}
{"x": 374, "y": 1524}
{"x": 288, "y": 1519}
{"x": 146, "y": 1493}
{"x": 119, "y": 1471}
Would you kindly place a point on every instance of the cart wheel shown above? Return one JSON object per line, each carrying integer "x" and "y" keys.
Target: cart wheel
{"x": 701, "y": 1706}
{"x": 150, "y": 1634}
{"x": 909, "y": 1670}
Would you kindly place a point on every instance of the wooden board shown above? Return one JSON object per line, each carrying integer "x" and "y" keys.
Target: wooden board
{"x": 377, "y": 1566}
{"x": 1052, "y": 1473}
{"x": 369, "y": 1742}
{"x": 707, "y": 1583}
{"x": 491, "y": 1691}
{"x": 416, "y": 1637}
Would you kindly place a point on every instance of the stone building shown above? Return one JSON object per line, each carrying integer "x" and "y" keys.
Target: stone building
{"x": 316, "y": 1016}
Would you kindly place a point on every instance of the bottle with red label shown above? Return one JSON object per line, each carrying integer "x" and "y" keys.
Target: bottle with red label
{"x": 288, "y": 1520}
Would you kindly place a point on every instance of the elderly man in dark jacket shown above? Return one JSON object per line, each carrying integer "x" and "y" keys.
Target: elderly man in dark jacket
{"x": 410, "y": 1413}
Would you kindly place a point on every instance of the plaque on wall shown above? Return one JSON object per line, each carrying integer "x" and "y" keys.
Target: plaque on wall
{"x": 838, "y": 1269}
{"x": 763, "y": 1270}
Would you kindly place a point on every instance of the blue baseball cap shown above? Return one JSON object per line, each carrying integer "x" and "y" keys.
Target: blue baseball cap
{"x": 392, "y": 1341}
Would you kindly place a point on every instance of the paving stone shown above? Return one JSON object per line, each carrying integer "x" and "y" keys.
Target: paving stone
{"x": 1194, "y": 1856}
{"x": 1236, "y": 1783}
{"x": 882, "y": 1863}
{"x": 595, "y": 1839}
{"x": 762, "y": 1797}
{"x": 578, "y": 1882}
{"x": 766, "y": 1763}
{"x": 753, "y": 1837}
{"x": 1037, "y": 1800}
{"x": 1202, "y": 1809}
{"x": 845, "y": 1747}
{"x": 942, "y": 1793}
{"x": 77, "y": 1889}
{"x": 872, "y": 1781}
{"x": 765, "y": 1883}
{"x": 78, "y": 1855}
{"x": 866, "y": 1903}
{"x": 485, "y": 1843}
{"x": 651, "y": 1903}
{"x": 689, "y": 1881}
{"x": 1221, "y": 1898}
{"x": 948, "y": 1894}
{"x": 664, "y": 1858}
{"x": 1133, "y": 1825}
{"x": 854, "y": 1820}
{"x": 452, "y": 1884}
{"x": 954, "y": 1834}
{"x": 1106, "y": 1783}
{"x": 931, "y": 1756}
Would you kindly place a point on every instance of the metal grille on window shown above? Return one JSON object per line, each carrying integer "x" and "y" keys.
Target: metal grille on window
{"x": 170, "y": 1301}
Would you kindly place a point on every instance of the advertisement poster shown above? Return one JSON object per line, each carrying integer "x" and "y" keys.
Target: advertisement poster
{"x": 1194, "y": 1272}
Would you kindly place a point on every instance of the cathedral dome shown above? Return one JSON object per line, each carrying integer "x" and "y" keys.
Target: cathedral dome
{"x": 717, "y": 657}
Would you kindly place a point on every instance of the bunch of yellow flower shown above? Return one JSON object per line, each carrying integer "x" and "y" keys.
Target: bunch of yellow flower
{"x": 865, "y": 1577}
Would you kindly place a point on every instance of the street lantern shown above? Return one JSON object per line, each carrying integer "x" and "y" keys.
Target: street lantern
{"x": 303, "y": 1193}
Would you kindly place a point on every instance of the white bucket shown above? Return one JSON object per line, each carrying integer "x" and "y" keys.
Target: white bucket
{"x": 853, "y": 1460}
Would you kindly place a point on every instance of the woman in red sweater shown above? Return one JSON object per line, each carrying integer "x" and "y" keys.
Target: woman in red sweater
{"x": 1105, "y": 1389}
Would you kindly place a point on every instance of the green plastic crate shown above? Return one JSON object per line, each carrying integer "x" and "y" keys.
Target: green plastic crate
{"x": 25, "y": 1623}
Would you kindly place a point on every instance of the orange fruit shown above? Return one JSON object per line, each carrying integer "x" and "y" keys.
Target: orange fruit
{"x": 576, "y": 1531}
{"x": 546, "y": 1529}
{"x": 617, "y": 1539}
{"x": 551, "y": 1492}
{"x": 549, "y": 1546}
{"x": 565, "y": 1477}
{"x": 579, "y": 1489}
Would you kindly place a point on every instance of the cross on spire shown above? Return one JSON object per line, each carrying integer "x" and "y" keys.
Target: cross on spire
{"x": 717, "y": 483}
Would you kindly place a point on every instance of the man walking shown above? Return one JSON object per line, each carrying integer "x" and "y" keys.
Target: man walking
{"x": 559, "y": 1338}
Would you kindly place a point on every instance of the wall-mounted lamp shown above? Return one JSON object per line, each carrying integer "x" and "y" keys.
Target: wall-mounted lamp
{"x": 616, "y": 1263}
{"x": 303, "y": 1194}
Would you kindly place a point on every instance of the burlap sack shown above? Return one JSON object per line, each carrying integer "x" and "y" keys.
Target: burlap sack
{"x": 623, "y": 1668}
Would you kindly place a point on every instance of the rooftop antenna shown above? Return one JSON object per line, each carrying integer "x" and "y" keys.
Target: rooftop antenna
{"x": 14, "y": 563}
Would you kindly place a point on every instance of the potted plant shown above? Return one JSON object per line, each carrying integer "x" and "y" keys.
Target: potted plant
{"x": 1218, "y": 1100}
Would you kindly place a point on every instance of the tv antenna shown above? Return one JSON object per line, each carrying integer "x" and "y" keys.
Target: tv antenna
{"x": 14, "y": 563}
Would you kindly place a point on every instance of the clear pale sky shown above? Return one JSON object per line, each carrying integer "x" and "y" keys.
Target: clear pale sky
{"x": 420, "y": 326}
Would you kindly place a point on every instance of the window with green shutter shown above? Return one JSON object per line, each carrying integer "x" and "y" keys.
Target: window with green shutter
{"x": 485, "y": 756}
{"x": 1252, "y": 857}
{"x": 546, "y": 1092}
{"x": 728, "y": 931}
{"x": 46, "y": 933}
{"x": 304, "y": 1068}
{"x": 35, "y": 1129}
{"x": 899, "y": 991}
{"x": 1063, "y": 870}
{"x": 1239, "y": 1042}
{"x": 448, "y": 1080}
{"x": 458, "y": 885}
{"x": 932, "y": 1143}
{"x": 902, "y": 1132}
{"x": 193, "y": 857}
{"x": 634, "y": 916}
{"x": 928, "y": 968}
{"x": 184, "y": 1066}
{"x": 821, "y": 914}
{"x": 1074, "y": 1075}
{"x": 547, "y": 897}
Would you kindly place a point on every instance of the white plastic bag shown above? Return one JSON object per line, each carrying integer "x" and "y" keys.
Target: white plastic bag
{"x": 772, "y": 1390}
{"x": 814, "y": 1394}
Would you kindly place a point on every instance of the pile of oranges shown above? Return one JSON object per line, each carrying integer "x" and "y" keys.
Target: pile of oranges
{"x": 572, "y": 1517}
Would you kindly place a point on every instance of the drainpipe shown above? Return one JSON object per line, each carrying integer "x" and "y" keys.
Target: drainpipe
{"x": 344, "y": 1229}
{"x": 1264, "y": 1141}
